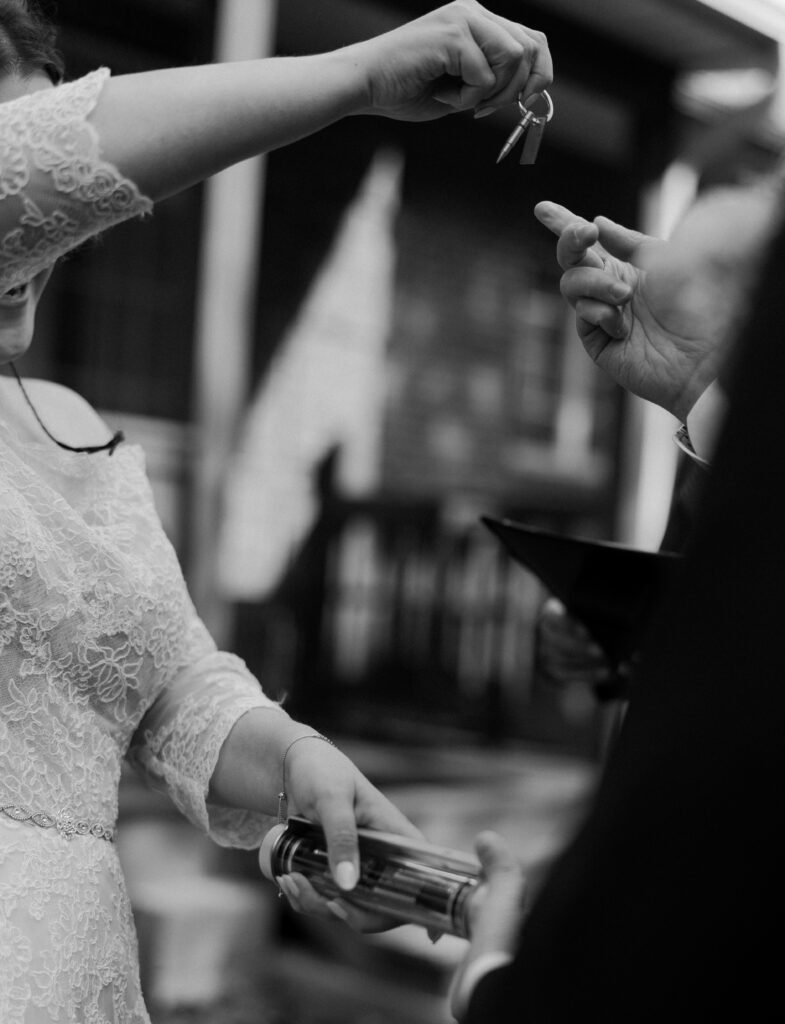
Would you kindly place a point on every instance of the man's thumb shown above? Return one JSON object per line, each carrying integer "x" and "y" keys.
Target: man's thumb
{"x": 494, "y": 853}
{"x": 619, "y": 241}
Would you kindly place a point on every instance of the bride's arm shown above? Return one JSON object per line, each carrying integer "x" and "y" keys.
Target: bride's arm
{"x": 83, "y": 156}
{"x": 168, "y": 129}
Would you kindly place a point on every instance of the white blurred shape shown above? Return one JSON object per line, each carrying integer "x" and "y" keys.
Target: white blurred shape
{"x": 324, "y": 389}
{"x": 649, "y": 456}
{"x": 736, "y": 88}
{"x": 767, "y": 16}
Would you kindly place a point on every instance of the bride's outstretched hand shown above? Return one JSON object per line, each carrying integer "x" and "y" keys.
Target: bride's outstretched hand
{"x": 459, "y": 57}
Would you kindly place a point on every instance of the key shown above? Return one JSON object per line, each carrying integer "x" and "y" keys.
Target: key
{"x": 531, "y": 126}
{"x": 531, "y": 143}
{"x": 516, "y": 133}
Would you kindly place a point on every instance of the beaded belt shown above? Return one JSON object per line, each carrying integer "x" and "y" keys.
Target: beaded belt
{"x": 66, "y": 824}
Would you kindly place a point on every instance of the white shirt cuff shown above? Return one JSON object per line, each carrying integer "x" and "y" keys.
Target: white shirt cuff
{"x": 683, "y": 441}
{"x": 704, "y": 421}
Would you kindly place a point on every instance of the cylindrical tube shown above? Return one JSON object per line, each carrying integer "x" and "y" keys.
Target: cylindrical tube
{"x": 413, "y": 882}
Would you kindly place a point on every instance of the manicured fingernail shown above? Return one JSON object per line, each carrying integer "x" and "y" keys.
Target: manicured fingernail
{"x": 620, "y": 291}
{"x": 346, "y": 875}
{"x": 483, "y": 112}
{"x": 335, "y": 908}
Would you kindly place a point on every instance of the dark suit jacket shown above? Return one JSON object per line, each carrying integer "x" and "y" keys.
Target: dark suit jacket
{"x": 668, "y": 905}
{"x": 688, "y": 486}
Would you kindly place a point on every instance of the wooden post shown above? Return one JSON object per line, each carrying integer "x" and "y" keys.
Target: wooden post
{"x": 227, "y": 282}
{"x": 649, "y": 454}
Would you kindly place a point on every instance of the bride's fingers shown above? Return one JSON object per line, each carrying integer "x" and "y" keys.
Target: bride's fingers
{"x": 304, "y": 899}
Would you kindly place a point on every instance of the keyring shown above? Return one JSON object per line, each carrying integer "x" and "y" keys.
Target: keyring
{"x": 524, "y": 109}
{"x": 531, "y": 127}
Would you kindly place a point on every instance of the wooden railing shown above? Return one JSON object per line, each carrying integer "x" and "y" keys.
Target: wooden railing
{"x": 395, "y": 621}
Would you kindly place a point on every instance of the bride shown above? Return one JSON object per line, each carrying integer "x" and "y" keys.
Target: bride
{"x": 103, "y": 655}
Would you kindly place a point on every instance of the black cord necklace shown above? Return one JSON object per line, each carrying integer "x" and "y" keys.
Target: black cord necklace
{"x": 88, "y": 449}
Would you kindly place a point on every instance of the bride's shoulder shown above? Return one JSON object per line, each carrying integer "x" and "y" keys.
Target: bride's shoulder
{"x": 60, "y": 398}
{"x": 60, "y": 410}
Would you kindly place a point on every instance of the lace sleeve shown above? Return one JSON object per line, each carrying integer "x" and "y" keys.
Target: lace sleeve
{"x": 55, "y": 190}
{"x": 177, "y": 744}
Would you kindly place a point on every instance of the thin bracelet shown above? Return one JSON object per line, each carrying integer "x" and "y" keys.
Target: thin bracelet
{"x": 283, "y": 800}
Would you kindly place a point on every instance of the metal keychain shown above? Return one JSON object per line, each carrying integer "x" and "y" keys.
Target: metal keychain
{"x": 531, "y": 126}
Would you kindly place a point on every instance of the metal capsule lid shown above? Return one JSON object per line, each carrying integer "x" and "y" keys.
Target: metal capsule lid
{"x": 266, "y": 850}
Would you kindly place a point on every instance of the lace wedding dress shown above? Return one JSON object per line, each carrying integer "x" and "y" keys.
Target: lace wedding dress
{"x": 102, "y": 655}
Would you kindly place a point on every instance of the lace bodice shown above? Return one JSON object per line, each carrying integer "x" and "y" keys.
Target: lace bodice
{"x": 102, "y": 654}
{"x": 102, "y": 651}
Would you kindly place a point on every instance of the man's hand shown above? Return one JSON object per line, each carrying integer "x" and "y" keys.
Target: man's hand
{"x": 659, "y": 316}
{"x": 496, "y": 913}
{"x": 566, "y": 653}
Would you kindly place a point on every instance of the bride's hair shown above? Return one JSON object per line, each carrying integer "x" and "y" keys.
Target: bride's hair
{"x": 27, "y": 41}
